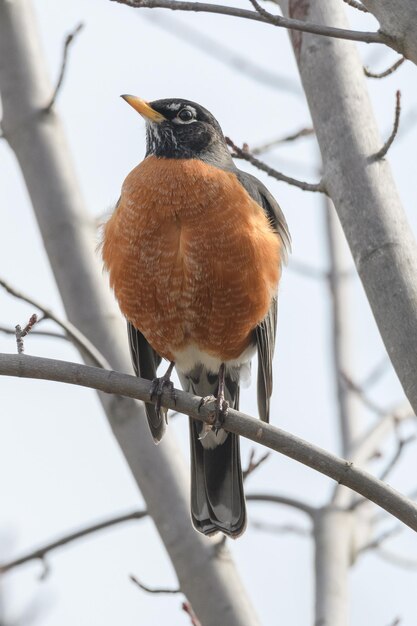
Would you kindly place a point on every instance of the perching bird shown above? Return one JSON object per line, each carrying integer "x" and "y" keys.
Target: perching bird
{"x": 194, "y": 251}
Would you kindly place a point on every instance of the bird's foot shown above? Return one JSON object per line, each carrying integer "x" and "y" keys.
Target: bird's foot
{"x": 220, "y": 413}
{"x": 159, "y": 385}
{"x": 221, "y": 408}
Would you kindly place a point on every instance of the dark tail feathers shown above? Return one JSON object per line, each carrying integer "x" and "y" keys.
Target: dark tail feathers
{"x": 217, "y": 498}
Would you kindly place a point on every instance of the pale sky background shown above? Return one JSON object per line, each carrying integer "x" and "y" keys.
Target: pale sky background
{"x": 60, "y": 467}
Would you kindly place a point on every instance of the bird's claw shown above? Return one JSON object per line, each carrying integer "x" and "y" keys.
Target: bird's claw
{"x": 220, "y": 413}
{"x": 221, "y": 408}
{"x": 159, "y": 385}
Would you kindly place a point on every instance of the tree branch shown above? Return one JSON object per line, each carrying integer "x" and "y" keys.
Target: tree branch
{"x": 40, "y": 553}
{"x": 356, "y": 5}
{"x": 284, "y": 501}
{"x": 303, "y": 132}
{"x": 76, "y": 336}
{"x": 247, "y": 156}
{"x": 274, "y": 438}
{"x": 275, "y": 20}
{"x": 387, "y": 72}
{"x": 157, "y": 590}
{"x": 68, "y": 41}
{"x": 387, "y": 145}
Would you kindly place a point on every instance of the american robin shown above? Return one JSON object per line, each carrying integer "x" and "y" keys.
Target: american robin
{"x": 194, "y": 251}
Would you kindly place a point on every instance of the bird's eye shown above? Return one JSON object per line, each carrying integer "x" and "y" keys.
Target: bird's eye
{"x": 185, "y": 115}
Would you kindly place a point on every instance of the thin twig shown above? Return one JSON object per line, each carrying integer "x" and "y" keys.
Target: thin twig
{"x": 252, "y": 464}
{"x": 242, "y": 153}
{"x": 370, "y": 404}
{"x": 375, "y": 374}
{"x": 186, "y": 606}
{"x": 20, "y": 333}
{"x": 356, "y": 5}
{"x": 382, "y": 538}
{"x": 284, "y": 501}
{"x": 397, "y": 559}
{"x": 227, "y": 55}
{"x": 303, "y": 132}
{"x": 156, "y": 590}
{"x": 68, "y": 41}
{"x": 387, "y": 72}
{"x": 8, "y": 330}
{"x": 387, "y": 145}
{"x": 75, "y": 335}
{"x": 299, "y": 267}
{"x": 281, "y": 22}
{"x": 280, "y": 529}
{"x": 341, "y": 470}
{"x": 40, "y": 553}
{"x": 402, "y": 443}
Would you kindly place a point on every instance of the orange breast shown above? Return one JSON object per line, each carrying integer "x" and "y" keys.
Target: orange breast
{"x": 192, "y": 258}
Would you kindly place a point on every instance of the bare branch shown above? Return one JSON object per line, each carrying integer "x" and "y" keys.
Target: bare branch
{"x": 401, "y": 444}
{"x": 378, "y": 541}
{"x": 387, "y": 145}
{"x": 342, "y": 471}
{"x": 40, "y": 553}
{"x": 275, "y": 20}
{"x": 8, "y": 330}
{"x": 21, "y": 333}
{"x": 299, "y": 267}
{"x": 68, "y": 41}
{"x": 356, "y": 5}
{"x": 76, "y": 336}
{"x": 280, "y": 529}
{"x": 396, "y": 414}
{"x": 387, "y": 72}
{"x": 247, "y": 156}
{"x": 156, "y": 590}
{"x": 367, "y": 446}
{"x": 375, "y": 374}
{"x": 253, "y": 465}
{"x": 284, "y": 501}
{"x": 397, "y": 559}
{"x": 303, "y": 132}
{"x": 186, "y": 606}
{"x": 227, "y": 55}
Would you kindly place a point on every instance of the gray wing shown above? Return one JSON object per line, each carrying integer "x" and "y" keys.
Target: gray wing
{"x": 265, "y": 332}
{"x": 145, "y": 363}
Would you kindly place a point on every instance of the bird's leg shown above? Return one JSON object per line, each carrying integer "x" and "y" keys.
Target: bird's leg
{"x": 221, "y": 405}
{"x": 159, "y": 384}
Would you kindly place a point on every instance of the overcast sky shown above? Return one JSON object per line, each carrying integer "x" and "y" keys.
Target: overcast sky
{"x": 59, "y": 465}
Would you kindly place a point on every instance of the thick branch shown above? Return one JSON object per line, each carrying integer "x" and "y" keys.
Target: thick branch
{"x": 397, "y": 19}
{"x": 380, "y": 238}
{"x": 274, "y": 438}
{"x": 282, "y": 22}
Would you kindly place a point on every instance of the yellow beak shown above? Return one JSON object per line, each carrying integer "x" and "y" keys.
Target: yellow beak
{"x": 142, "y": 107}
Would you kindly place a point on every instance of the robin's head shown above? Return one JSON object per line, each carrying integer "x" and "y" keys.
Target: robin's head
{"x": 181, "y": 129}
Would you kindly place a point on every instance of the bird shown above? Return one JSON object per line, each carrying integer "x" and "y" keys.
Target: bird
{"x": 194, "y": 251}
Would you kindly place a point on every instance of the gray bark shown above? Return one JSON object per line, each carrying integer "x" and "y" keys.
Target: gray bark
{"x": 398, "y": 20}
{"x": 343, "y": 472}
{"x": 207, "y": 578}
{"x": 332, "y": 563}
{"x": 362, "y": 189}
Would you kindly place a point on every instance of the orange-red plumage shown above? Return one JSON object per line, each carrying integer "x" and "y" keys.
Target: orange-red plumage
{"x": 192, "y": 257}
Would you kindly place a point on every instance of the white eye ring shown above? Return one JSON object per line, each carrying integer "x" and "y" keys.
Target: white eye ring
{"x": 185, "y": 116}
